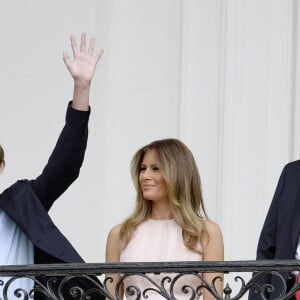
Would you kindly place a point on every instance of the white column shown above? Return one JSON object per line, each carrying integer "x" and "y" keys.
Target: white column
{"x": 200, "y": 102}
{"x": 257, "y": 103}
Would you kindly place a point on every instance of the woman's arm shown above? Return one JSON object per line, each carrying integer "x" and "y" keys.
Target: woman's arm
{"x": 213, "y": 250}
{"x": 113, "y": 252}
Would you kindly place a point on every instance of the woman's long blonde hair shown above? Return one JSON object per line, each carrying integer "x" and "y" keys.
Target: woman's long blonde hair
{"x": 184, "y": 190}
{"x": 1, "y": 154}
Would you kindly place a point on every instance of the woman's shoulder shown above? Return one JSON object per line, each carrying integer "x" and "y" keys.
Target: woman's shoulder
{"x": 212, "y": 241}
{"x": 113, "y": 244}
{"x": 212, "y": 232}
{"x": 115, "y": 231}
{"x": 212, "y": 227}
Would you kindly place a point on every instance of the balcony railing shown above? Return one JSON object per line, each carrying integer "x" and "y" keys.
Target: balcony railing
{"x": 53, "y": 280}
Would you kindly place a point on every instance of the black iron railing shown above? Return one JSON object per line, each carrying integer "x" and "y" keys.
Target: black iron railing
{"x": 87, "y": 281}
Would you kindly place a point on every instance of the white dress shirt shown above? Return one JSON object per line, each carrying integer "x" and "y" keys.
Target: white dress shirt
{"x": 15, "y": 249}
{"x": 297, "y": 255}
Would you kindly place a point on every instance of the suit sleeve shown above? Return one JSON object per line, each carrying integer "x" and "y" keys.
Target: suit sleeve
{"x": 64, "y": 164}
{"x": 266, "y": 248}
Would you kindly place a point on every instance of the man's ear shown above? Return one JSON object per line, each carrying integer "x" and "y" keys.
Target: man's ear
{"x": 2, "y": 166}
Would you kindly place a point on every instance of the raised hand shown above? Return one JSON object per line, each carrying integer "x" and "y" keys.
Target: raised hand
{"x": 82, "y": 68}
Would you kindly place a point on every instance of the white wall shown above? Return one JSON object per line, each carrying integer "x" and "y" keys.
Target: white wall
{"x": 230, "y": 97}
{"x": 220, "y": 75}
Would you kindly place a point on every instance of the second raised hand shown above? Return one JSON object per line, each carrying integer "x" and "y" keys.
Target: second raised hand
{"x": 82, "y": 68}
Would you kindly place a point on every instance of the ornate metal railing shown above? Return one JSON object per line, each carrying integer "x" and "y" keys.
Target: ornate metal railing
{"x": 87, "y": 281}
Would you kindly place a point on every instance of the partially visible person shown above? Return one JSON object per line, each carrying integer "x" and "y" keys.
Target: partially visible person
{"x": 280, "y": 235}
{"x": 27, "y": 233}
{"x": 169, "y": 222}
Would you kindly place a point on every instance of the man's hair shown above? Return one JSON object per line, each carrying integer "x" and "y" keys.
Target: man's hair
{"x": 1, "y": 154}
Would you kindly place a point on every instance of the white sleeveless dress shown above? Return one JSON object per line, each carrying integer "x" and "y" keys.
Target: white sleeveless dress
{"x": 158, "y": 241}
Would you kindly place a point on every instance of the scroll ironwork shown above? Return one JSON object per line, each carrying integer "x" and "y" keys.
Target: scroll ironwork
{"x": 164, "y": 279}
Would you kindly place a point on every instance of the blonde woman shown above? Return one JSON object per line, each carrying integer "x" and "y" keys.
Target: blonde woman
{"x": 169, "y": 222}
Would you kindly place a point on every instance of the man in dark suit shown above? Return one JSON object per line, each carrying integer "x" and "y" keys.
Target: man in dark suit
{"x": 28, "y": 234}
{"x": 279, "y": 238}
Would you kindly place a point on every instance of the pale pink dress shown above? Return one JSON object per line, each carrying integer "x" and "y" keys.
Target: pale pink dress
{"x": 155, "y": 241}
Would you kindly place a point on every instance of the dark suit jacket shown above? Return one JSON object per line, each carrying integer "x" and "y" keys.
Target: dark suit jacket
{"x": 27, "y": 202}
{"x": 281, "y": 229}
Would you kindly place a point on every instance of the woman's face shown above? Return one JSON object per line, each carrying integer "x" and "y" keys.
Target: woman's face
{"x": 151, "y": 178}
